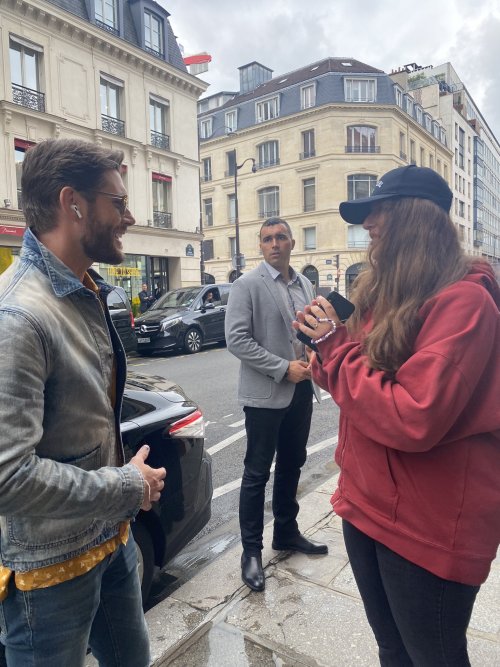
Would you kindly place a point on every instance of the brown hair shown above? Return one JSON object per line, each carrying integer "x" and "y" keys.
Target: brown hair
{"x": 417, "y": 255}
{"x": 54, "y": 164}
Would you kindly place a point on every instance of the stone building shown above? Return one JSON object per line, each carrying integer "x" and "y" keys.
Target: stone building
{"x": 110, "y": 72}
{"x": 317, "y": 136}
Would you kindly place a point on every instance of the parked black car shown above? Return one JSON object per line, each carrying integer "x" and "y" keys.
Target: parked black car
{"x": 158, "y": 413}
{"x": 184, "y": 318}
{"x": 123, "y": 317}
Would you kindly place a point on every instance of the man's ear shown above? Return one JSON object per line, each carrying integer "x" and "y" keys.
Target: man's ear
{"x": 293, "y": 244}
{"x": 70, "y": 203}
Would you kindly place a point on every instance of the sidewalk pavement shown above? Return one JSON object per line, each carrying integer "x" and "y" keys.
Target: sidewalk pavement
{"x": 310, "y": 613}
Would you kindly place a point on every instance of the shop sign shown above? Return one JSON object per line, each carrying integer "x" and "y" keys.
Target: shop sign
{"x": 189, "y": 250}
{"x": 11, "y": 230}
{"x": 124, "y": 271}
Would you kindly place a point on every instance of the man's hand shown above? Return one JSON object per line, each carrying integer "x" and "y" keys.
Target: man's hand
{"x": 298, "y": 370}
{"x": 152, "y": 476}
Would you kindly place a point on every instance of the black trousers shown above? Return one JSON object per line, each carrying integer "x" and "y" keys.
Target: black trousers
{"x": 419, "y": 619}
{"x": 284, "y": 432}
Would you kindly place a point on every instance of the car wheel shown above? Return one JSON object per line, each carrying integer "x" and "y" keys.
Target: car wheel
{"x": 145, "y": 557}
{"x": 192, "y": 341}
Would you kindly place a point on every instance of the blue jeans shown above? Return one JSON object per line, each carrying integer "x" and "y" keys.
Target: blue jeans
{"x": 418, "y": 619}
{"x": 283, "y": 432}
{"x": 52, "y": 627}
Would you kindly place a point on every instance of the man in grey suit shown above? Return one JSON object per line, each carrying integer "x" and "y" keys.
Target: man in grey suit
{"x": 276, "y": 392}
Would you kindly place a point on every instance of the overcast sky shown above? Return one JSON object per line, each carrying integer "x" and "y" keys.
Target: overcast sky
{"x": 287, "y": 34}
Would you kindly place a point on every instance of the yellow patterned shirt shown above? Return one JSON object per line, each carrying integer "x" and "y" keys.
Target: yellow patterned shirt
{"x": 51, "y": 575}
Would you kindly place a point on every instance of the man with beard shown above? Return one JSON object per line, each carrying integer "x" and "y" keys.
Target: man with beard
{"x": 68, "y": 574}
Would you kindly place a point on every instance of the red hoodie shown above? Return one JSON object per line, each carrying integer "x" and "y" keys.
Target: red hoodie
{"x": 420, "y": 454}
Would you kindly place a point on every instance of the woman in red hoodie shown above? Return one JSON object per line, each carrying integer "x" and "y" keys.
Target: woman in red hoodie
{"x": 416, "y": 374}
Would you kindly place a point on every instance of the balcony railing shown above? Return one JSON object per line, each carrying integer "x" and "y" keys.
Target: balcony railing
{"x": 26, "y": 97}
{"x": 362, "y": 149}
{"x": 162, "y": 219}
{"x": 229, "y": 172}
{"x": 268, "y": 163}
{"x": 113, "y": 125}
{"x": 160, "y": 140}
{"x": 206, "y": 177}
{"x": 402, "y": 155}
{"x": 108, "y": 28}
{"x": 269, "y": 214}
{"x": 307, "y": 154}
{"x": 154, "y": 52}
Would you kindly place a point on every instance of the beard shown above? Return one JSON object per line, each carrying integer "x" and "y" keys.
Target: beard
{"x": 100, "y": 242}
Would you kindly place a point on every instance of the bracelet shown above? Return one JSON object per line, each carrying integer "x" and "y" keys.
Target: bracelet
{"x": 328, "y": 333}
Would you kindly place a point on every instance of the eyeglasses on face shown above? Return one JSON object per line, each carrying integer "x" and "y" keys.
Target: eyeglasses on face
{"x": 123, "y": 199}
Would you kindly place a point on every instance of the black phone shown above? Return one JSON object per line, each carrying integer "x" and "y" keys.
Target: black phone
{"x": 344, "y": 309}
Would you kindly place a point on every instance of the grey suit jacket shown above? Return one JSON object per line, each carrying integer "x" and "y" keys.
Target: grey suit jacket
{"x": 258, "y": 333}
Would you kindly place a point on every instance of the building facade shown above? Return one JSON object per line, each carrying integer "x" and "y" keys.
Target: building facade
{"x": 110, "y": 72}
{"x": 475, "y": 178}
{"x": 317, "y": 136}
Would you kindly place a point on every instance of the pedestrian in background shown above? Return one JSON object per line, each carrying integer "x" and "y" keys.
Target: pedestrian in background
{"x": 145, "y": 298}
{"x": 416, "y": 374}
{"x": 276, "y": 392}
{"x": 69, "y": 563}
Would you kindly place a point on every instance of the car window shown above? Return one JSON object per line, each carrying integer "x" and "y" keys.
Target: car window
{"x": 177, "y": 298}
{"x": 115, "y": 301}
{"x": 133, "y": 408}
{"x": 211, "y": 295}
{"x": 224, "y": 290}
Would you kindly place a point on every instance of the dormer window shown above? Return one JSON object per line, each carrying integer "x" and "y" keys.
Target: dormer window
{"x": 267, "y": 110}
{"x": 206, "y": 128}
{"x": 399, "y": 96}
{"x": 106, "y": 15}
{"x": 153, "y": 33}
{"x": 360, "y": 90}
{"x": 308, "y": 96}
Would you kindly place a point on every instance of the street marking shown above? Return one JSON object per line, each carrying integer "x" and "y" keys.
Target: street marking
{"x": 222, "y": 490}
{"x": 227, "y": 416}
{"x": 236, "y": 483}
{"x": 226, "y": 442}
{"x": 322, "y": 445}
{"x": 236, "y": 424}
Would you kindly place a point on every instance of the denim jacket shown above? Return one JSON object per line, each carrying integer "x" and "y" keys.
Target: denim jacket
{"x": 64, "y": 488}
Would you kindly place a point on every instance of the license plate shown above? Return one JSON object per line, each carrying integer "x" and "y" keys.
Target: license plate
{"x": 144, "y": 340}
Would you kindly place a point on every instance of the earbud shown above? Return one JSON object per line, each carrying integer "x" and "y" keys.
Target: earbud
{"x": 77, "y": 211}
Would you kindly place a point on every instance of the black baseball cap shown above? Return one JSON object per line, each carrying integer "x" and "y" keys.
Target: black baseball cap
{"x": 410, "y": 181}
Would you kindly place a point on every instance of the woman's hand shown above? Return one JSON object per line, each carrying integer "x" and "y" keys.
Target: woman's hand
{"x": 317, "y": 319}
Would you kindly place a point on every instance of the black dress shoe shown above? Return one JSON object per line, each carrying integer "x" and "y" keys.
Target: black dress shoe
{"x": 252, "y": 572}
{"x": 299, "y": 543}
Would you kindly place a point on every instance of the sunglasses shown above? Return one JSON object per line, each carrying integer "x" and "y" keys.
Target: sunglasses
{"x": 123, "y": 199}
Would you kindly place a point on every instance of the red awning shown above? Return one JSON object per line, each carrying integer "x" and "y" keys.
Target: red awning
{"x": 161, "y": 177}
{"x": 198, "y": 59}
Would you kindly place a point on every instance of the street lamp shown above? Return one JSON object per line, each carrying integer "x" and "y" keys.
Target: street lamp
{"x": 237, "y": 167}
{"x": 202, "y": 254}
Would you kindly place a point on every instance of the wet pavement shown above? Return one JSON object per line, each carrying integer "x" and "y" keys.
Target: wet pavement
{"x": 310, "y": 613}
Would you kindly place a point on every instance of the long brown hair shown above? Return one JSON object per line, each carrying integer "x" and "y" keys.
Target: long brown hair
{"x": 417, "y": 254}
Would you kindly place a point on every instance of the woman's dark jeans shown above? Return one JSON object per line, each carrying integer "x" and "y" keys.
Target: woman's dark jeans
{"x": 419, "y": 619}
